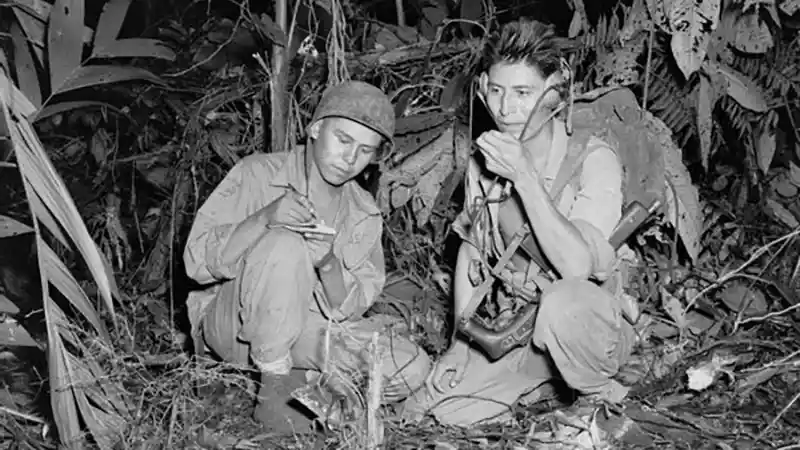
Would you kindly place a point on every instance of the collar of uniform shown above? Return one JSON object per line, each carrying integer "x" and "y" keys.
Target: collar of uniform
{"x": 361, "y": 198}
{"x": 292, "y": 174}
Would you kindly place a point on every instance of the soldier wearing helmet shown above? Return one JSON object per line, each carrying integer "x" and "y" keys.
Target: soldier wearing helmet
{"x": 281, "y": 299}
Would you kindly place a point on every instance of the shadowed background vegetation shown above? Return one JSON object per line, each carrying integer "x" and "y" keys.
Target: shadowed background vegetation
{"x": 119, "y": 117}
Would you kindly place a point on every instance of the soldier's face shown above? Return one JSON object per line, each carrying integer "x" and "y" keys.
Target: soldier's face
{"x": 510, "y": 91}
{"x": 343, "y": 148}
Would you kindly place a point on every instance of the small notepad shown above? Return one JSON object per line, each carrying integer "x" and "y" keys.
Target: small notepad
{"x": 317, "y": 228}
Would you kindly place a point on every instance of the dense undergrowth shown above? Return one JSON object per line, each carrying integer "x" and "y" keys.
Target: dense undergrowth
{"x": 137, "y": 178}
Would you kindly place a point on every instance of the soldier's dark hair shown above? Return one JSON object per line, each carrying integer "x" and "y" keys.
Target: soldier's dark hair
{"x": 525, "y": 40}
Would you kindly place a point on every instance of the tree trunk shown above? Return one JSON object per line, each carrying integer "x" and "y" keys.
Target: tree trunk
{"x": 278, "y": 84}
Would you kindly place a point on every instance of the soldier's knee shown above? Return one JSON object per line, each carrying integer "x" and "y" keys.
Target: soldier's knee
{"x": 576, "y": 299}
{"x": 571, "y": 300}
{"x": 582, "y": 327}
{"x": 575, "y": 310}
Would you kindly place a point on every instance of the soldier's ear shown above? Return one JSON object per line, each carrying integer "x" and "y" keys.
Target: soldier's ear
{"x": 314, "y": 129}
{"x": 483, "y": 86}
{"x": 556, "y": 86}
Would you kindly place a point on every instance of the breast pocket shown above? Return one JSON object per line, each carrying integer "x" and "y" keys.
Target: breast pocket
{"x": 358, "y": 241}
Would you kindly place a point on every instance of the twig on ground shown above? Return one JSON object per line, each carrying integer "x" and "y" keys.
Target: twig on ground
{"x": 778, "y": 417}
{"x": 770, "y": 315}
{"x": 728, "y": 276}
{"x": 375, "y": 380}
{"x": 784, "y": 360}
{"x": 22, "y": 415}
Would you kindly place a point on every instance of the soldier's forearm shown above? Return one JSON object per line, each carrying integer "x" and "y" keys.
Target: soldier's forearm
{"x": 462, "y": 285}
{"x": 560, "y": 240}
{"x": 243, "y": 237}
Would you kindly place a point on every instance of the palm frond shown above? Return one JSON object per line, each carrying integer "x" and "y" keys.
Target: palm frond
{"x": 74, "y": 376}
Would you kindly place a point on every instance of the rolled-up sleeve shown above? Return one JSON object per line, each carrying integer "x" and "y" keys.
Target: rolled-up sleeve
{"x": 598, "y": 206}
{"x": 227, "y": 206}
{"x": 364, "y": 269}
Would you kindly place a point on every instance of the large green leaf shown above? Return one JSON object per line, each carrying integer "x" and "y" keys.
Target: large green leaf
{"x": 705, "y": 120}
{"x": 741, "y": 88}
{"x": 24, "y": 108}
{"x": 13, "y": 335}
{"x": 15, "y": 98}
{"x": 684, "y": 209}
{"x": 34, "y": 24}
{"x": 4, "y": 65}
{"x": 765, "y": 140}
{"x": 37, "y": 169}
{"x": 27, "y": 75}
{"x": 52, "y": 205}
{"x": 47, "y": 218}
{"x": 10, "y": 227}
{"x": 110, "y": 23}
{"x": 65, "y": 282}
{"x": 102, "y": 401}
{"x": 64, "y": 40}
{"x": 62, "y": 400}
{"x": 692, "y": 23}
{"x": 61, "y": 107}
{"x": 105, "y": 423}
{"x": 33, "y": 15}
{"x": 7, "y": 306}
{"x": 272, "y": 31}
{"x": 91, "y": 76}
{"x": 134, "y": 48}
{"x": 109, "y": 409}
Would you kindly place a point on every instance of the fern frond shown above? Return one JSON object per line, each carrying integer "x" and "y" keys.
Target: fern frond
{"x": 601, "y": 37}
{"x": 610, "y": 51}
{"x": 620, "y": 67}
{"x": 737, "y": 118}
{"x": 670, "y": 99}
{"x": 777, "y": 72}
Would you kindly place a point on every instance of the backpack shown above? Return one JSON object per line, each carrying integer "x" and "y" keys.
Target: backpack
{"x": 615, "y": 117}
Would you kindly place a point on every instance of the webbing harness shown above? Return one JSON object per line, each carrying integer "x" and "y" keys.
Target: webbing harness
{"x": 480, "y": 215}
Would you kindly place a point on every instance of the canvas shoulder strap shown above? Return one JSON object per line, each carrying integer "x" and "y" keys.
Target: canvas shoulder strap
{"x": 577, "y": 150}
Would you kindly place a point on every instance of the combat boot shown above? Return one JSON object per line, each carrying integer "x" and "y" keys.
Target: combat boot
{"x": 275, "y": 407}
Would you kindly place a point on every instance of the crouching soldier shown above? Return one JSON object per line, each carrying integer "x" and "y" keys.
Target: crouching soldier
{"x": 281, "y": 298}
{"x": 580, "y": 334}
